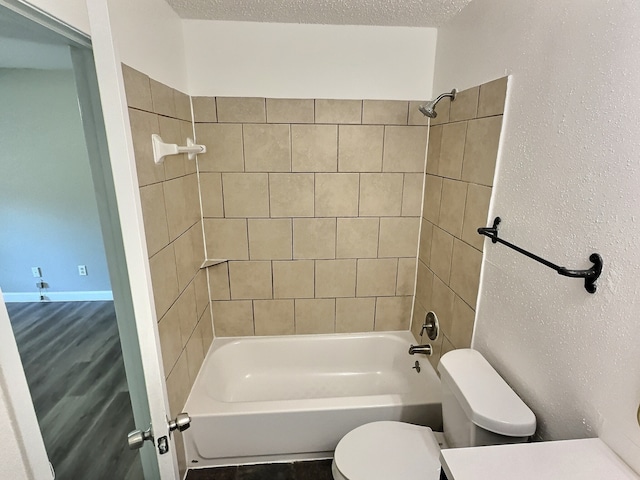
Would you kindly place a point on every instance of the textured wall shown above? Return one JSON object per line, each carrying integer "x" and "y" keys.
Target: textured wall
{"x": 316, "y": 204}
{"x": 48, "y": 210}
{"x": 566, "y": 186}
{"x": 173, "y": 229}
{"x": 461, "y": 159}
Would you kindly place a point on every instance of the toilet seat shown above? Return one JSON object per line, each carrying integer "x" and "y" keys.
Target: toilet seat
{"x": 388, "y": 451}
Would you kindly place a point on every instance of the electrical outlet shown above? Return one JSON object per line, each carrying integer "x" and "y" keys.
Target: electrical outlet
{"x": 36, "y": 272}
{"x": 82, "y": 270}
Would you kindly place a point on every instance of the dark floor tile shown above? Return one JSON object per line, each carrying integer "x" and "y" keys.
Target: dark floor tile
{"x": 272, "y": 471}
{"x": 313, "y": 470}
{"x": 219, "y": 473}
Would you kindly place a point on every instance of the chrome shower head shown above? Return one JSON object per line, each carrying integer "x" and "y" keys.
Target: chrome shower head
{"x": 428, "y": 109}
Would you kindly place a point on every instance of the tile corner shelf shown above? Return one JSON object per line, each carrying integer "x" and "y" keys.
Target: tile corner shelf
{"x": 212, "y": 261}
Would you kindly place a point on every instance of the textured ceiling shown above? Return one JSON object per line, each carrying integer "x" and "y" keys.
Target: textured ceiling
{"x": 410, "y": 13}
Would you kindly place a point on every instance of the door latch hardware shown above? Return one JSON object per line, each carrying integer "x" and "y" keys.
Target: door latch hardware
{"x": 181, "y": 422}
{"x": 163, "y": 445}
{"x": 137, "y": 438}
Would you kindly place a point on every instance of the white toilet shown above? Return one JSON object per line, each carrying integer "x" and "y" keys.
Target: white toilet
{"x": 478, "y": 408}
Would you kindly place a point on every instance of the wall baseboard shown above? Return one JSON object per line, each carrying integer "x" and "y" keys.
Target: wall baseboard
{"x": 24, "y": 297}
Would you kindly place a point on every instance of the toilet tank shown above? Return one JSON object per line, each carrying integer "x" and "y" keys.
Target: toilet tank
{"x": 478, "y": 407}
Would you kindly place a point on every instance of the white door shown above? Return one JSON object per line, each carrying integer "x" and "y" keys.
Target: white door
{"x": 121, "y": 220}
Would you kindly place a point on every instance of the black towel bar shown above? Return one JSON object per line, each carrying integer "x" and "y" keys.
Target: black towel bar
{"x": 590, "y": 276}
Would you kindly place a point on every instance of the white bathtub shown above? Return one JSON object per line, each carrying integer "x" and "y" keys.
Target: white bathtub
{"x": 264, "y": 399}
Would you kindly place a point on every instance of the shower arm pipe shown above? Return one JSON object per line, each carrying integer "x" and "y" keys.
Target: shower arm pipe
{"x": 162, "y": 149}
{"x": 590, "y": 275}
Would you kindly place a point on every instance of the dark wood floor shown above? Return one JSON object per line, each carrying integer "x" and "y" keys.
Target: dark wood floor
{"x": 73, "y": 363}
{"x": 314, "y": 470}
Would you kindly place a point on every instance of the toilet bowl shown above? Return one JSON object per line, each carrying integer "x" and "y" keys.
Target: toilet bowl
{"x": 478, "y": 408}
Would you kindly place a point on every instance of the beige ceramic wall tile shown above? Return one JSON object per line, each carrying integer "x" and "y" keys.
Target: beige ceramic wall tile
{"x": 360, "y": 148}
{"x": 314, "y": 148}
{"x": 441, "y": 251}
{"x": 201, "y": 291}
{"x": 155, "y": 217}
{"x": 405, "y": 149}
{"x": 385, "y": 112}
{"x": 357, "y": 238}
{"x": 182, "y": 204}
{"x": 204, "y": 109}
{"x": 465, "y": 271}
{"x": 206, "y": 330}
{"x": 315, "y": 316}
{"x": 162, "y": 99}
{"x": 164, "y": 279}
{"x": 463, "y": 320}
{"x": 415, "y": 116}
{"x": 189, "y": 250}
{"x": 426, "y": 236}
{"x": 226, "y": 238}
{"x": 465, "y": 106}
{"x": 137, "y": 88}
{"x": 398, "y": 236}
{"x": 336, "y": 194}
{"x": 481, "y": 150}
{"x": 447, "y": 346}
{"x": 293, "y": 279}
{"x": 171, "y": 132}
{"x": 143, "y": 125}
{"x": 419, "y": 314}
{"x": 211, "y": 193}
{"x": 424, "y": 286}
{"x": 187, "y": 312}
{"x": 183, "y": 106}
{"x": 492, "y": 97}
{"x": 412, "y": 195}
{"x": 241, "y": 110}
{"x": 178, "y": 385}
{"x": 442, "y": 302}
{"x": 475, "y": 214}
{"x": 267, "y": 148}
{"x": 339, "y": 111}
{"x": 274, "y": 317}
{"x": 291, "y": 194}
{"x": 393, "y": 313}
{"x": 224, "y": 148}
{"x": 195, "y": 354}
{"x": 245, "y": 194}
{"x": 219, "y": 282}
{"x": 432, "y": 197}
{"x": 250, "y": 280}
{"x": 170, "y": 344}
{"x": 233, "y": 319}
{"x": 434, "y": 358}
{"x": 270, "y": 239}
{"x": 452, "y": 149}
{"x": 286, "y": 110}
{"x": 314, "y": 238}
{"x": 376, "y": 277}
{"x": 433, "y": 149}
{"x": 355, "y": 314}
{"x": 335, "y": 278}
{"x": 406, "y": 276}
{"x": 452, "y": 203}
{"x": 381, "y": 194}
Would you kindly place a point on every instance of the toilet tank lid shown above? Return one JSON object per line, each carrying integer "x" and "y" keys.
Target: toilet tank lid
{"x": 484, "y": 395}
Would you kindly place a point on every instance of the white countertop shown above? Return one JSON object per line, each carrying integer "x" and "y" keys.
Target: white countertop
{"x": 585, "y": 459}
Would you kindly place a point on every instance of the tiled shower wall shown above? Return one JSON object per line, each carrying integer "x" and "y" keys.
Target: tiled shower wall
{"x": 461, "y": 159}
{"x": 316, "y": 205}
{"x": 173, "y": 229}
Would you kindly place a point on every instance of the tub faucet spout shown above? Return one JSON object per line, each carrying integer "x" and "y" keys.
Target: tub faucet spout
{"x": 423, "y": 349}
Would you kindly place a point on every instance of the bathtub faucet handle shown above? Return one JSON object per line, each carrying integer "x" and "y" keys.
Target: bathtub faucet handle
{"x": 423, "y": 349}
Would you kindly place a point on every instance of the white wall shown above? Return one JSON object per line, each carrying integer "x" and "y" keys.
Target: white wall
{"x": 309, "y": 61}
{"x": 567, "y": 185}
{"x": 48, "y": 210}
